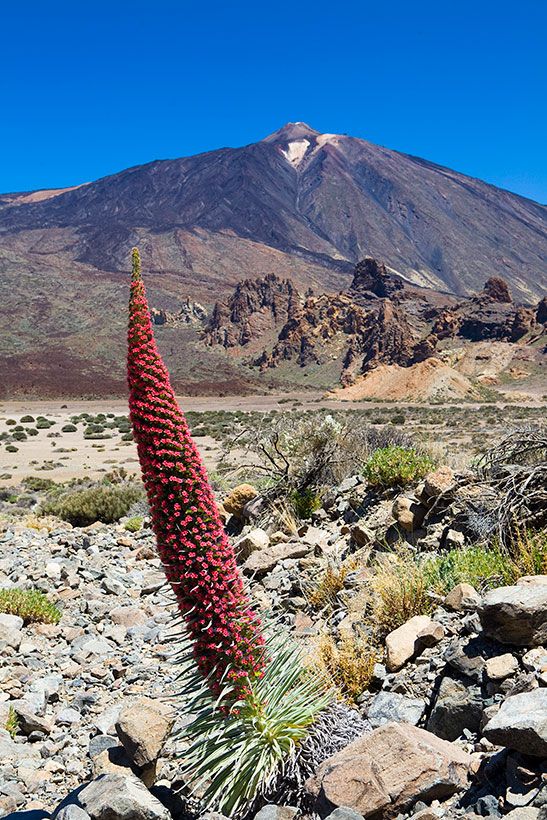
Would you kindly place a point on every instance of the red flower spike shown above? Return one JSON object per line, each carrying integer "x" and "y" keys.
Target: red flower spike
{"x": 199, "y": 560}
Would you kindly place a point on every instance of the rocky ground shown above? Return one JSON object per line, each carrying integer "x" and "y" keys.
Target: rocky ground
{"x": 454, "y": 709}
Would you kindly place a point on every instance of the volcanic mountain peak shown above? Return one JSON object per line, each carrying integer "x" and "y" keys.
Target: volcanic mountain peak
{"x": 292, "y": 131}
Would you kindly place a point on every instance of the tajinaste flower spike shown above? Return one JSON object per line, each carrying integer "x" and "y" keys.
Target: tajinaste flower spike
{"x": 199, "y": 560}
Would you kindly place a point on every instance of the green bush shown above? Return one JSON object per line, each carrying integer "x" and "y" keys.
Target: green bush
{"x": 12, "y": 722}
{"x": 37, "y": 484}
{"x": 396, "y": 466}
{"x": 11, "y": 422}
{"x": 30, "y": 605}
{"x": 133, "y": 524}
{"x": 127, "y": 437}
{"x": 32, "y": 431}
{"x": 69, "y": 428}
{"x": 27, "y": 419}
{"x": 11, "y": 448}
{"x": 103, "y": 503}
{"x": 19, "y": 435}
{"x": 42, "y": 424}
{"x": 304, "y": 502}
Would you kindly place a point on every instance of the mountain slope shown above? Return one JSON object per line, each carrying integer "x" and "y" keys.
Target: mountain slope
{"x": 328, "y": 198}
{"x": 298, "y": 204}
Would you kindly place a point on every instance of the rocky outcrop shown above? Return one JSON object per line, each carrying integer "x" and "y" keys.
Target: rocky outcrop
{"x": 256, "y": 307}
{"x": 190, "y": 313}
{"x": 372, "y": 277}
{"x": 496, "y": 289}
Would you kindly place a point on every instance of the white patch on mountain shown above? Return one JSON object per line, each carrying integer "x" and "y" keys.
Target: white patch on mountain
{"x": 296, "y": 151}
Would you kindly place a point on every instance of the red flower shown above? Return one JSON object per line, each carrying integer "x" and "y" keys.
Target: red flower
{"x": 189, "y": 533}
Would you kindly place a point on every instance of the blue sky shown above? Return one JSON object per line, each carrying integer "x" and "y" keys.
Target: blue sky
{"x": 91, "y": 87}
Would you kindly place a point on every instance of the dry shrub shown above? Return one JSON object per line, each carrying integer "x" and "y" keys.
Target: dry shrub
{"x": 347, "y": 665}
{"x": 332, "y": 582}
{"x": 401, "y": 591}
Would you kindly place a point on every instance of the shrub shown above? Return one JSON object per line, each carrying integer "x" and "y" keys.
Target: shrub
{"x": 331, "y": 583}
{"x": 401, "y": 590}
{"x": 27, "y": 419}
{"x": 18, "y": 435}
{"x": 30, "y": 605}
{"x": 38, "y": 484}
{"x": 10, "y": 422}
{"x": 11, "y": 448}
{"x": 32, "y": 431}
{"x": 348, "y": 665}
{"x": 12, "y": 722}
{"x": 395, "y": 466}
{"x": 43, "y": 424}
{"x": 305, "y": 502}
{"x": 103, "y": 503}
{"x": 69, "y": 428}
{"x": 133, "y": 524}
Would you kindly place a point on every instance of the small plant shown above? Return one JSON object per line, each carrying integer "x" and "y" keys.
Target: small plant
{"x": 10, "y": 422}
{"x": 103, "y": 503}
{"x": 27, "y": 419}
{"x": 133, "y": 524}
{"x": 32, "y": 431}
{"x": 305, "y": 502}
{"x": 29, "y": 604}
{"x": 37, "y": 484}
{"x": 12, "y": 722}
{"x": 19, "y": 435}
{"x": 11, "y": 448}
{"x": 347, "y": 665}
{"x": 395, "y": 466}
{"x": 69, "y": 428}
{"x": 331, "y": 583}
{"x": 43, "y": 424}
{"x": 401, "y": 590}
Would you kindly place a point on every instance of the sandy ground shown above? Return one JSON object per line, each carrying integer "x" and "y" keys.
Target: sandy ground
{"x": 69, "y": 455}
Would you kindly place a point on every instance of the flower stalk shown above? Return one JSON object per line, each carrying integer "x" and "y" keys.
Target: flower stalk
{"x": 198, "y": 559}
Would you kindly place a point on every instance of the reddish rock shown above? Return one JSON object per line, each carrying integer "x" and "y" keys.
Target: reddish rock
{"x": 389, "y": 770}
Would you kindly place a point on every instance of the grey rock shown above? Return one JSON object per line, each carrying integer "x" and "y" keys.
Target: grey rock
{"x": 521, "y": 723}
{"x": 517, "y": 614}
{"x": 120, "y": 797}
{"x": 344, "y": 813}
{"x": 272, "y": 812}
{"x": 72, "y": 813}
{"x": 457, "y": 707}
{"x": 388, "y": 706}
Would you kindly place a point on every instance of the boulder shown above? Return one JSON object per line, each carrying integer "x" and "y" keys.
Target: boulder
{"x": 458, "y": 706}
{"x": 265, "y": 560}
{"x": 389, "y": 770}
{"x": 521, "y": 723}
{"x": 143, "y": 727}
{"x": 236, "y": 500}
{"x": 361, "y": 535}
{"x": 72, "y": 813}
{"x": 119, "y": 797}
{"x": 439, "y": 481}
{"x": 501, "y": 667}
{"x": 272, "y": 812}
{"x": 401, "y": 643}
{"x": 387, "y": 707}
{"x": 461, "y": 597}
{"x": 517, "y": 614}
{"x": 408, "y": 514}
{"x": 254, "y": 540}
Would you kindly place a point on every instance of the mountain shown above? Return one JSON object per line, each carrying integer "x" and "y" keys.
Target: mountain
{"x": 298, "y": 204}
